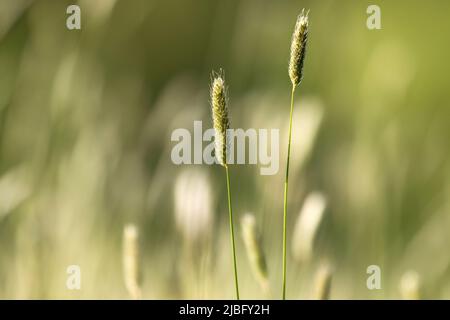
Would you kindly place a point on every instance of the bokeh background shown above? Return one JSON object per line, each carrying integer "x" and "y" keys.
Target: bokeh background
{"x": 86, "y": 118}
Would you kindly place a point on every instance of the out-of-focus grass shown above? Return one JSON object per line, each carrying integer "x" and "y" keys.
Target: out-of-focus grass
{"x": 85, "y": 124}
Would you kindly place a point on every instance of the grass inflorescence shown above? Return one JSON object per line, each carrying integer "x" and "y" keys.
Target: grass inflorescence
{"x": 221, "y": 123}
{"x": 298, "y": 52}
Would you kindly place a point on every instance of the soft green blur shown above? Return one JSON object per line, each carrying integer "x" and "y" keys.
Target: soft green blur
{"x": 86, "y": 118}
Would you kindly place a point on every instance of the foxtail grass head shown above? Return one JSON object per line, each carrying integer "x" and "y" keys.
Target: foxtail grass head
{"x": 255, "y": 251}
{"x": 131, "y": 261}
{"x": 220, "y": 117}
{"x": 298, "y": 48}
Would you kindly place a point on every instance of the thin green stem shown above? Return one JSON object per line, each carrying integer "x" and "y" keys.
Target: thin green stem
{"x": 233, "y": 247}
{"x": 286, "y": 193}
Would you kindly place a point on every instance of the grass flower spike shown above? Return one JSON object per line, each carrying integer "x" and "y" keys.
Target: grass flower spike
{"x": 255, "y": 252}
{"x": 221, "y": 125}
{"x": 298, "y": 51}
{"x": 220, "y": 118}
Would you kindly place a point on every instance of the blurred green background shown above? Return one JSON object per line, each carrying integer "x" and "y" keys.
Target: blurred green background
{"x": 86, "y": 118}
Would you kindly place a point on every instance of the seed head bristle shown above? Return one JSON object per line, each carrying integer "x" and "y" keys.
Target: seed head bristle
{"x": 298, "y": 48}
{"x": 131, "y": 261}
{"x": 220, "y": 117}
{"x": 254, "y": 249}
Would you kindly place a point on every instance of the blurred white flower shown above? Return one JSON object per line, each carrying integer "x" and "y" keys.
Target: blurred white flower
{"x": 306, "y": 226}
{"x": 193, "y": 204}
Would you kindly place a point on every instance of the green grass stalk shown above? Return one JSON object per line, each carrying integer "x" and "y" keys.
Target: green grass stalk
{"x": 233, "y": 245}
{"x": 298, "y": 53}
{"x": 221, "y": 125}
{"x": 286, "y": 185}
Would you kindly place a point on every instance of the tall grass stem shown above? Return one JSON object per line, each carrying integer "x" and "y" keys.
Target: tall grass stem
{"x": 233, "y": 247}
{"x": 286, "y": 184}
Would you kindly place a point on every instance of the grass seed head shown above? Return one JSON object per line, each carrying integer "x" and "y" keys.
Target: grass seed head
{"x": 220, "y": 117}
{"x": 298, "y": 48}
{"x": 254, "y": 249}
